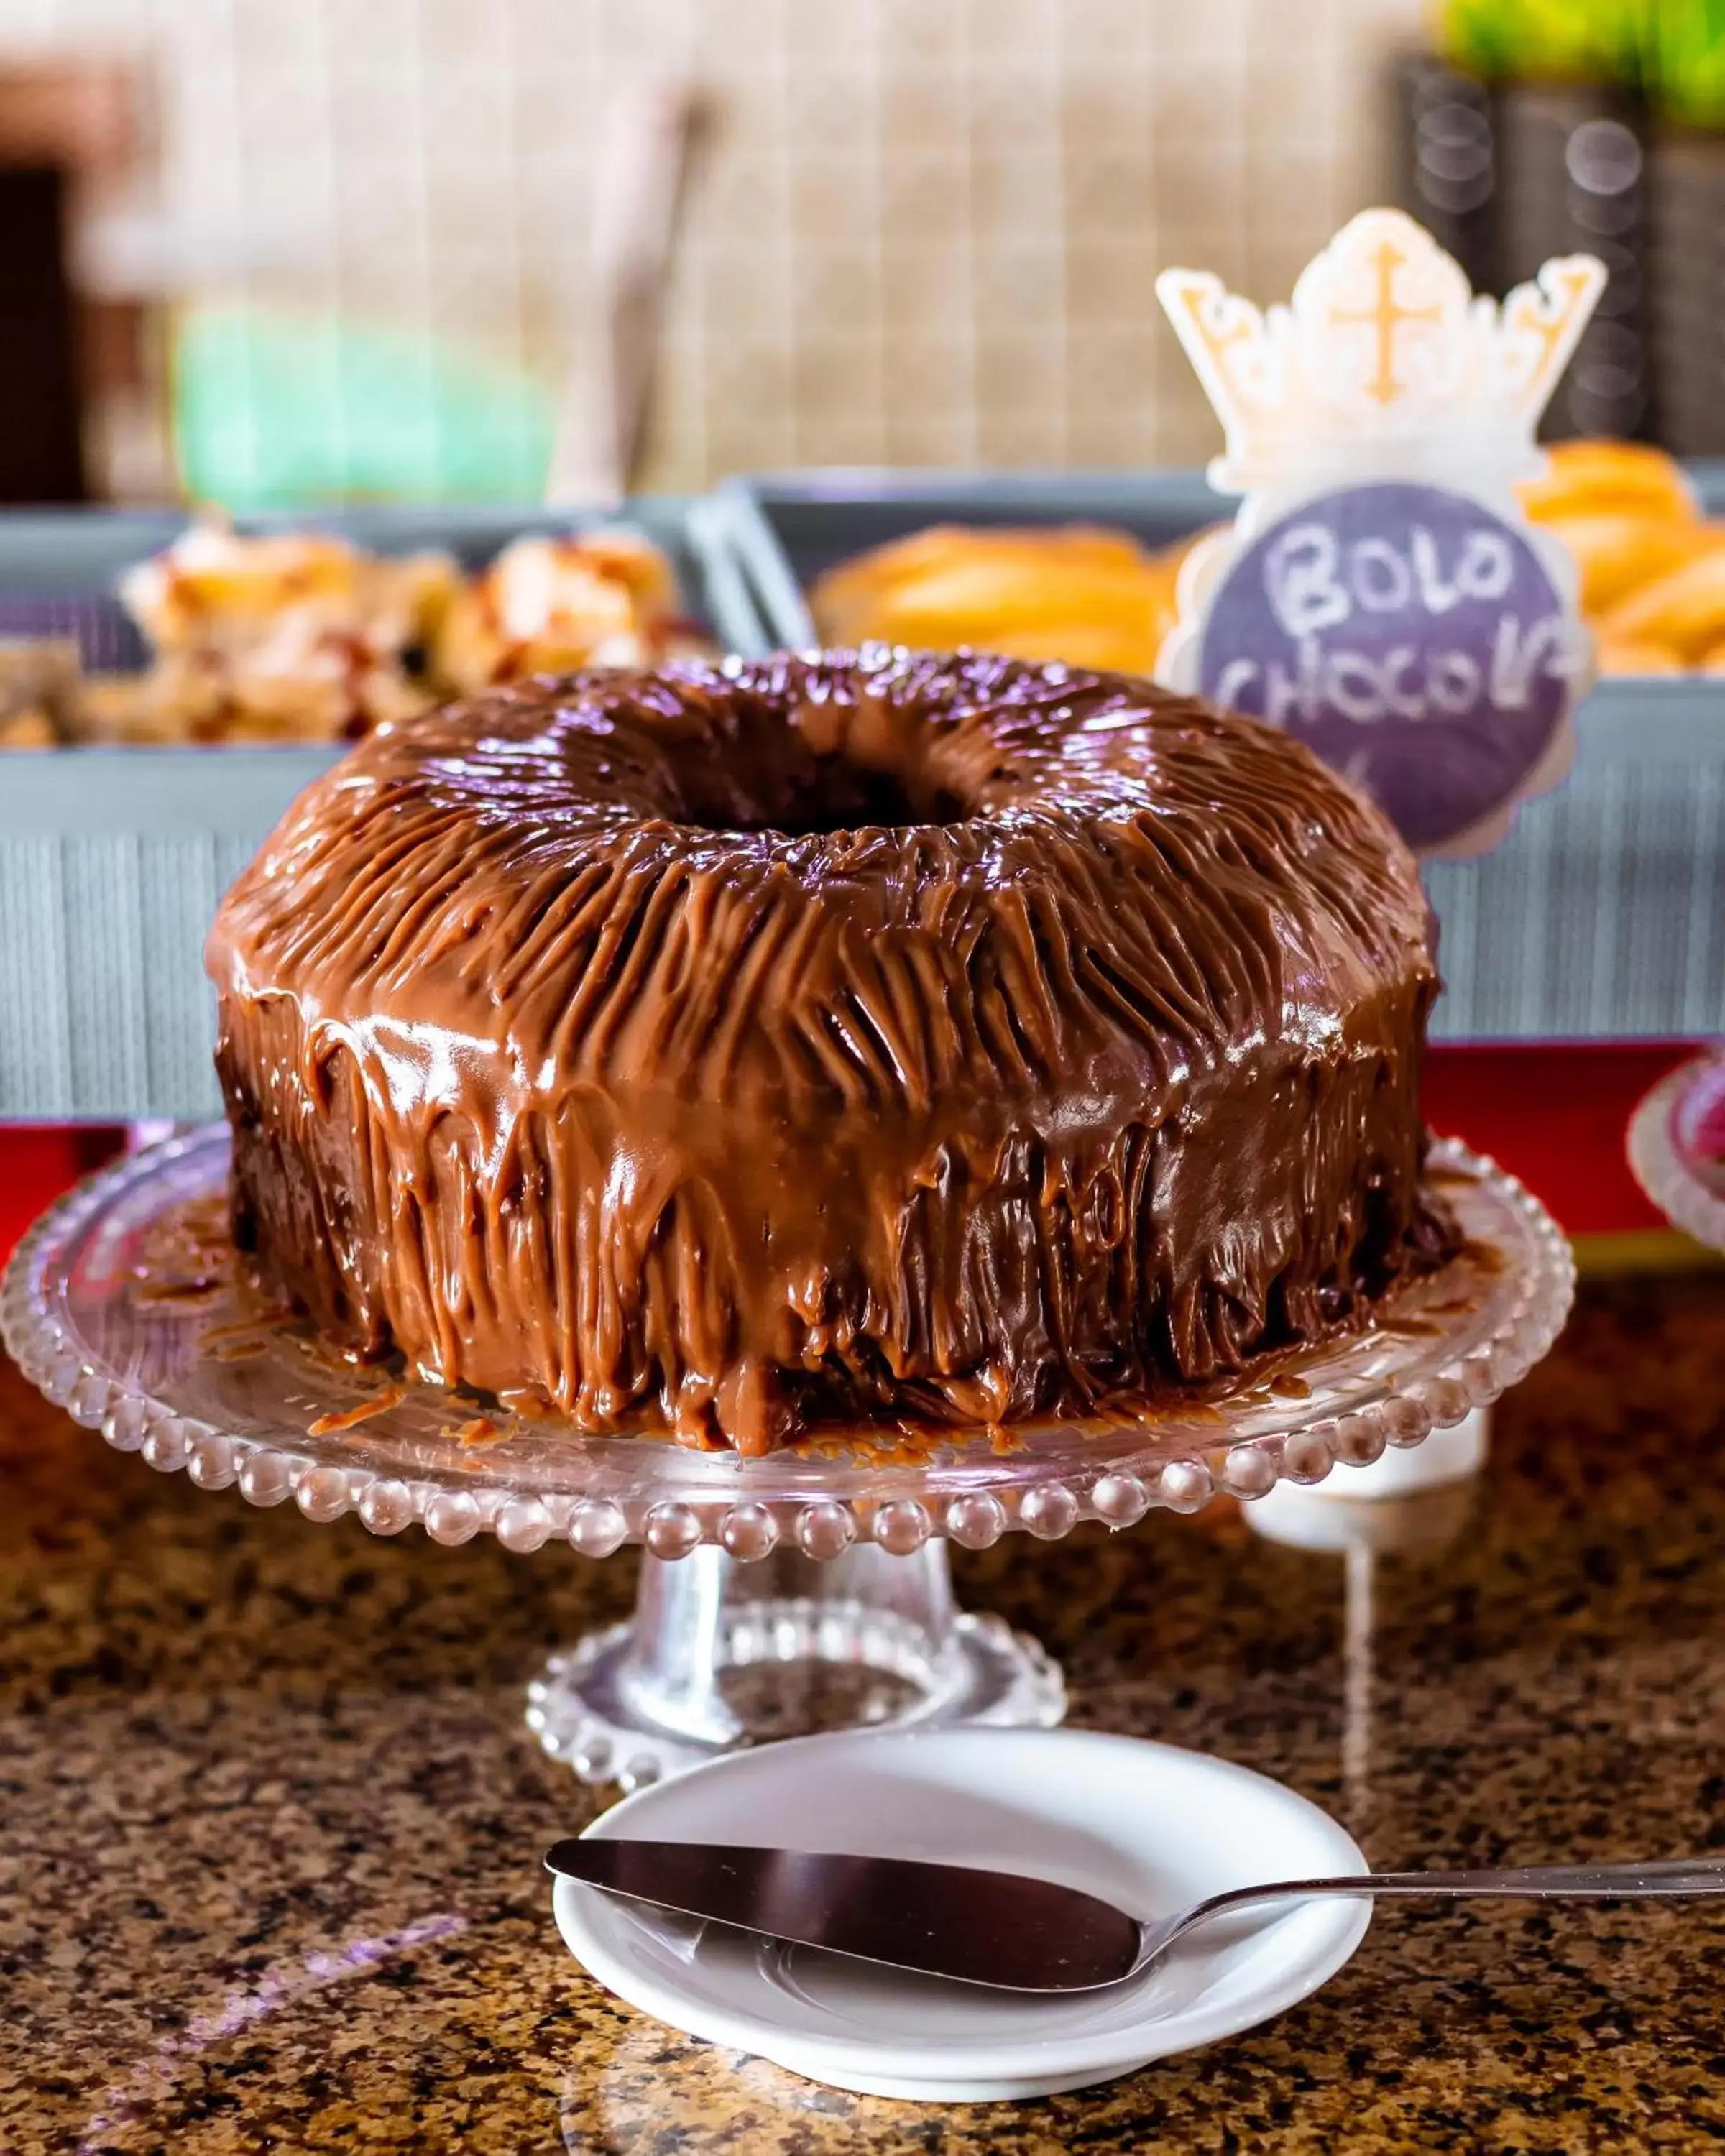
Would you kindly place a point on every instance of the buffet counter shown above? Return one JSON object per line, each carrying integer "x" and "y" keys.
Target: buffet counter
{"x": 269, "y": 1849}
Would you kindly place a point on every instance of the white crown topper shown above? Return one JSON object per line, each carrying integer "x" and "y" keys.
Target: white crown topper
{"x": 1385, "y": 353}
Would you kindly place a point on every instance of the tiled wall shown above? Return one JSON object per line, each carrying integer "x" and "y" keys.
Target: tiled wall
{"x": 923, "y": 231}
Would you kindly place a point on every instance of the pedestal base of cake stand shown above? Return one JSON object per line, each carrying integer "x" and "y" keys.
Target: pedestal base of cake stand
{"x": 721, "y": 1653}
{"x": 806, "y": 1589}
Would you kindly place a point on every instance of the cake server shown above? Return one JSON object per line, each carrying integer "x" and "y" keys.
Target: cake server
{"x": 1015, "y": 1933}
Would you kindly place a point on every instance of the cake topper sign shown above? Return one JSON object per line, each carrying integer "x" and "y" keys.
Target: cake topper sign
{"x": 1379, "y": 593}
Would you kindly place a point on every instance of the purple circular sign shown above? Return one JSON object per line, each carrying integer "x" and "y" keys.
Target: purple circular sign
{"x": 1411, "y": 637}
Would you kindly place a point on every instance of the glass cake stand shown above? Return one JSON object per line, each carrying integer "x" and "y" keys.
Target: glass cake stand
{"x": 1676, "y": 1147}
{"x": 125, "y": 1306}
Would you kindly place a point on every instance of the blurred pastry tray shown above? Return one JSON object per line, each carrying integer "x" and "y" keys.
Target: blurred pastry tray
{"x": 112, "y": 860}
{"x": 1601, "y": 917}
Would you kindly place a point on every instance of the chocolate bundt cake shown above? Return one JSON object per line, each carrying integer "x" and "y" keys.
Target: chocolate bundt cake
{"x": 739, "y": 1049}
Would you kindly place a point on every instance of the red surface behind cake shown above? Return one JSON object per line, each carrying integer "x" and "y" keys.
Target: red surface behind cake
{"x": 1554, "y": 1116}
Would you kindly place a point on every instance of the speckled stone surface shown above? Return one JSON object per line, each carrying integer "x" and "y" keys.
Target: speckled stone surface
{"x": 270, "y": 1826}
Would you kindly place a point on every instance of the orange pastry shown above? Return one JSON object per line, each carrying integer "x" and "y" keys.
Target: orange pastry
{"x": 1652, "y": 569}
{"x": 1683, "y": 609}
{"x": 1619, "y": 656}
{"x": 1088, "y": 596}
{"x": 1588, "y": 476}
{"x": 1618, "y": 550}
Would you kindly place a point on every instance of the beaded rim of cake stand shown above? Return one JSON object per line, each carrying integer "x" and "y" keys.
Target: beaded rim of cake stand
{"x": 1109, "y": 1473}
{"x": 1664, "y": 1164}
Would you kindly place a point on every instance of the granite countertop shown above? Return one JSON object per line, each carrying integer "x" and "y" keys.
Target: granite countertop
{"x": 270, "y": 1826}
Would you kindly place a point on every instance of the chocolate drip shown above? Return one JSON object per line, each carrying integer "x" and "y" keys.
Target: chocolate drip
{"x": 732, "y": 1050}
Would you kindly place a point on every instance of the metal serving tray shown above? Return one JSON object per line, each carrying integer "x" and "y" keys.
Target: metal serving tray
{"x": 112, "y": 860}
{"x": 1601, "y": 917}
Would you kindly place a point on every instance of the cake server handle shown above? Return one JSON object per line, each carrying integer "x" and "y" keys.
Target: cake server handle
{"x": 1674, "y": 1879}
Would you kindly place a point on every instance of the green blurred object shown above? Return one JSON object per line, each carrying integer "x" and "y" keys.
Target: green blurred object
{"x": 1686, "y": 60}
{"x": 1548, "y": 40}
{"x": 273, "y": 410}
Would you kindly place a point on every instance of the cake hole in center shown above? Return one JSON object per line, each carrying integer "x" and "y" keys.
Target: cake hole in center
{"x": 805, "y": 796}
{"x": 845, "y": 796}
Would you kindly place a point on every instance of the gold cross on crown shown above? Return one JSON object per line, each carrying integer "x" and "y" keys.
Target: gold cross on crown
{"x": 1386, "y": 315}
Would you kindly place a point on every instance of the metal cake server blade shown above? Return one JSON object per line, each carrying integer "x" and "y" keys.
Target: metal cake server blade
{"x": 988, "y": 1927}
{"x": 1022, "y": 1934}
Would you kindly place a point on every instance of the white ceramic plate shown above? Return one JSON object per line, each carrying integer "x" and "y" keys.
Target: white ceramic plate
{"x": 1150, "y": 1827}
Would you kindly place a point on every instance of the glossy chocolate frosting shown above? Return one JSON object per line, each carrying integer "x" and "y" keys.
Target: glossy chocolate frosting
{"x": 740, "y": 1048}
